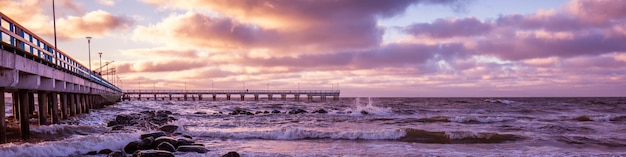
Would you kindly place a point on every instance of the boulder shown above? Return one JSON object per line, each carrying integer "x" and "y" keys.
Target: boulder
{"x": 266, "y": 112}
{"x": 184, "y": 142}
{"x": 166, "y": 147}
{"x": 117, "y": 154}
{"x": 231, "y": 154}
{"x": 153, "y": 153}
{"x": 297, "y": 111}
{"x": 92, "y": 152}
{"x": 111, "y": 123}
{"x": 117, "y": 127}
{"x": 170, "y": 140}
{"x": 188, "y": 136}
{"x": 105, "y": 151}
{"x": 131, "y": 147}
{"x": 275, "y": 111}
{"x": 153, "y": 135}
{"x": 364, "y": 112}
{"x": 200, "y": 112}
{"x": 258, "y": 112}
{"x": 192, "y": 148}
{"x": 320, "y": 111}
{"x": 147, "y": 143}
{"x": 168, "y": 128}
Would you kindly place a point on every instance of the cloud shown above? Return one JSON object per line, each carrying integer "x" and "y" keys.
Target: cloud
{"x": 159, "y": 65}
{"x": 447, "y": 28}
{"x": 597, "y": 11}
{"x": 107, "y": 2}
{"x": 161, "y": 53}
{"x": 95, "y": 23}
{"x": 290, "y": 27}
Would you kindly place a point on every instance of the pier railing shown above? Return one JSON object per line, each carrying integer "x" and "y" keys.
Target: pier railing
{"x": 303, "y": 92}
{"x": 198, "y": 94}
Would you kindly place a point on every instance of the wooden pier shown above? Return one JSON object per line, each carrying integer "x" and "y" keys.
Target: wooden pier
{"x": 200, "y": 95}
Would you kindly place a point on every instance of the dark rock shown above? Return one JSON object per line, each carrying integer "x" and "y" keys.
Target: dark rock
{"x": 117, "y": 127}
{"x": 117, "y": 154}
{"x": 92, "y": 152}
{"x": 111, "y": 123}
{"x": 105, "y": 151}
{"x": 200, "y": 113}
{"x": 147, "y": 143}
{"x": 275, "y": 111}
{"x": 170, "y": 140}
{"x": 125, "y": 119}
{"x": 168, "y": 128}
{"x": 364, "y": 112}
{"x": 583, "y": 118}
{"x": 297, "y": 111}
{"x": 150, "y": 113}
{"x": 132, "y": 147}
{"x": 266, "y": 112}
{"x": 320, "y": 111}
{"x": 258, "y": 112}
{"x": 184, "y": 142}
{"x": 166, "y": 147}
{"x": 154, "y": 135}
{"x": 231, "y": 154}
{"x": 220, "y": 112}
{"x": 188, "y": 136}
{"x": 153, "y": 153}
{"x": 164, "y": 112}
{"x": 192, "y": 148}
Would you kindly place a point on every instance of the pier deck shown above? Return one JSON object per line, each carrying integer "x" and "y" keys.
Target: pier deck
{"x": 198, "y": 94}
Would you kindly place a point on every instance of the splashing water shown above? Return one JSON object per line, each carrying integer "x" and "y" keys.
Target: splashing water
{"x": 369, "y": 108}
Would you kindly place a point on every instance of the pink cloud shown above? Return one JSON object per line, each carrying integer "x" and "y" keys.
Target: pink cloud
{"x": 446, "y": 28}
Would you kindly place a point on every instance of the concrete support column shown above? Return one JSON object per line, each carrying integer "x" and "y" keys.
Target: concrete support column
{"x": 139, "y": 97}
{"x": 79, "y": 105}
{"x": 256, "y": 97}
{"x": 185, "y": 97}
{"x": 3, "y": 125}
{"x": 72, "y": 102}
{"x": 31, "y": 106}
{"x": 243, "y": 97}
{"x": 200, "y": 97}
{"x": 16, "y": 104}
{"x": 55, "y": 107}
{"x": 63, "y": 105}
{"x": 335, "y": 97}
{"x": 227, "y": 96}
{"x": 214, "y": 97}
{"x": 297, "y": 97}
{"x": 283, "y": 96}
{"x": 170, "y": 96}
{"x": 43, "y": 107}
{"x": 84, "y": 103}
{"x": 24, "y": 113}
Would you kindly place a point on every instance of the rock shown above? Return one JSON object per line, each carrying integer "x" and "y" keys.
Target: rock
{"x": 320, "y": 111}
{"x": 266, "y": 112}
{"x": 117, "y": 127}
{"x": 111, "y": 123}
{"x": 258, "y": 112}
{"x": 154, "y": 135}
{"x": 105, "y": 151}
{"x": 275, "y": 111}
{"x": 117, "y": 154}
{"x": 188, "y": 136}
{"x": 231, "y": 154}
{"x": 192, "y": 148}
{"x": 200, "y": 112}
{"x": 168, "y": 128}
{"x": 92, "y": 152}
{"x": 170, "y": 140}
{"x": 153, "y": 153}
{"x": 583, "y": 118}
{"x": 166, "y": 147}
{"x": 132, "y": 147}
{"x": 297, "y": 111}
{"x": 147, "y": 143}
{"x": 184, "y": 142}
{"x": 164, "y": 112}
{"x": 364, "y": 112}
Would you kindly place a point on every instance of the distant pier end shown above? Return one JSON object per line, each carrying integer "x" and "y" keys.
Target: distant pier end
{"x": 199, "y": 95}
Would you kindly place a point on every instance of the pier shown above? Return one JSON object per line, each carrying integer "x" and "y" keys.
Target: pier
{"x": 31, "y": 67}
{"x": 212, "y": 95}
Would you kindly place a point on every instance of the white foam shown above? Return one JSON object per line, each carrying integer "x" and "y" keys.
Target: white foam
{"x": 481, "y": 119}
{"x": 294, "y": 133}
{"x": 75, "y": 145}
{"x": 370, "y": 108}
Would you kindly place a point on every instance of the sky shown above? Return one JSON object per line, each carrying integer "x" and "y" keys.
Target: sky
{"x": 365, "y": 48}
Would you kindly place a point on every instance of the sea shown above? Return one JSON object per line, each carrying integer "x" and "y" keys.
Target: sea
{"x": 361, "y": 126}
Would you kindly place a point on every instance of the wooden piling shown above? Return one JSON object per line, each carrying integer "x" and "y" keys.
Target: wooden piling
{"x": 16, "y": 104}
{"x": 43, "y": 107}
{"x": 63, "y": 105}
{"x": 55, "y": 107}
{"x": 24, "y": 113}
{"x": 31, "y": 106}
{"x": 3, "y": 124}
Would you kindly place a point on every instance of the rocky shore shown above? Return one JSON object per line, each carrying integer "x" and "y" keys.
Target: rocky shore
{"x": 167, "y": 142}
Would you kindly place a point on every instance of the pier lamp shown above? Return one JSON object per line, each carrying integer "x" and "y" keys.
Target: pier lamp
{"x": 100, "y": 53}
{"x": 89, "y": 47}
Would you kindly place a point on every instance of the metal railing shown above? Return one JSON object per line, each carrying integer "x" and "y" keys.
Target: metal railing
{"x": 15, "y": 35}
{"x": 232, "y": 92}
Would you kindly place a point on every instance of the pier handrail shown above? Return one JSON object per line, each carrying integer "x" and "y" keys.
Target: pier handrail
{"x": 17, "y": 36}
{"x": 231, "y": 91}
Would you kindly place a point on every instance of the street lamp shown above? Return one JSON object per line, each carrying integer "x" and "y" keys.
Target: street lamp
{"x": 100, "y": 53}
{"x": 89, "y": 47}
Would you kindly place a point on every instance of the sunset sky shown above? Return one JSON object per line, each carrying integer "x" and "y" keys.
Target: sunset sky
{"x": 419, "y": 48}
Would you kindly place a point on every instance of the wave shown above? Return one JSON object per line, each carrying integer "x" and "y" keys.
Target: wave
{"x": 404, "y": 135}
{"x": 73, "y": 146}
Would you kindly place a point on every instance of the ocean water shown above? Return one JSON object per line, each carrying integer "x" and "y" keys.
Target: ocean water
{"x": 360, "y": 127}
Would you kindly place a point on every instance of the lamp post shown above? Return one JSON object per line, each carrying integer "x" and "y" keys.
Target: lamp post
{"x": 100, "y": 53}
{"x": 89, "y": 47}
